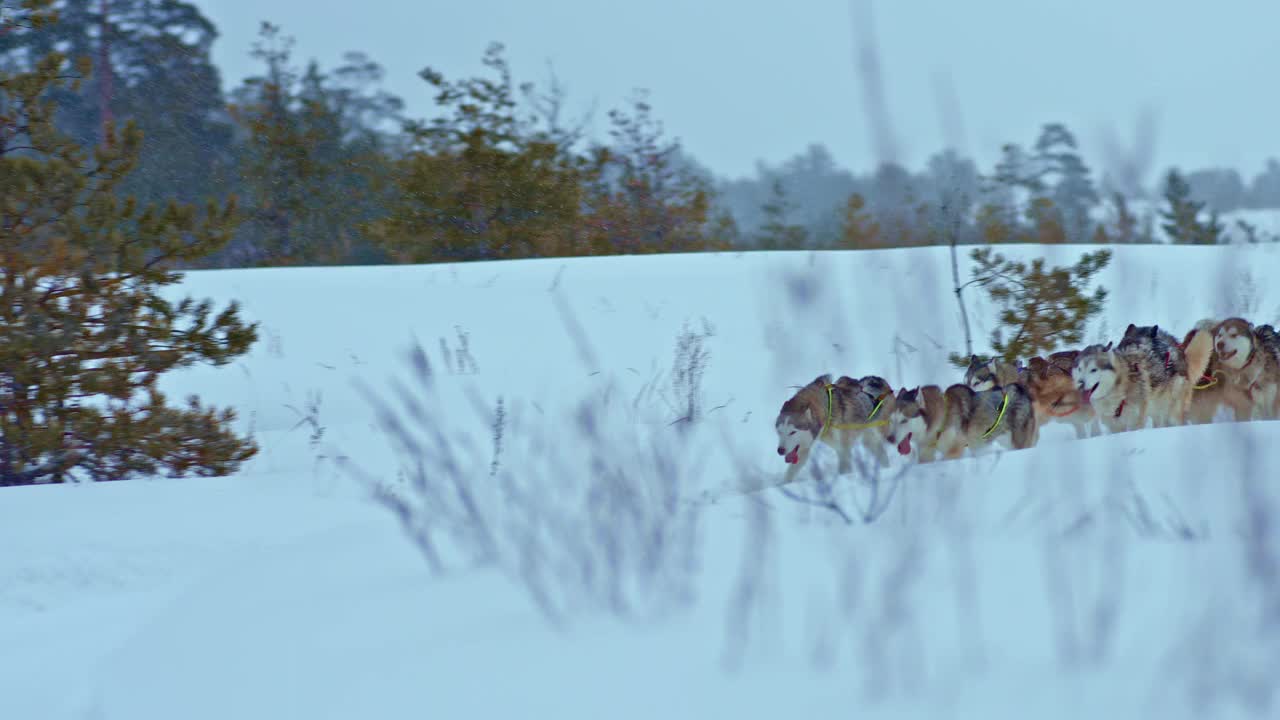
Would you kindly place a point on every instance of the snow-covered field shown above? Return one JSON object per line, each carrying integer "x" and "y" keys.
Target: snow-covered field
{"x": 582, "y": 552}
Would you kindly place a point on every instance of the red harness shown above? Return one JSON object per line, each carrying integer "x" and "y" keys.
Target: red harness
{"x": 1119, "y": 409}
{"x": 1072, "y": 411}
{"x": 1253, "y": 351}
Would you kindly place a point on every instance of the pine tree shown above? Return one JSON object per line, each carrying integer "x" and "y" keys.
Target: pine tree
{"x": 1013, "y": 182}
{"x": 1045, "y": 223}
{"x": 1017, "y": 170}
{"x": 776, "y": 233}
{"x": 75, "y": 106}
{"x": 361, "y": 163}
{"x": 163, "y": 77}
{"x": 642, "y": 196}
{"x": 1264, "y": 189}
{"x": 955, "y": 187}
{"x": 1051, "y": 185}
{"x": 280, "y": 164}
{"x": 994, "y": 226}
{"x": 1180, "y": 218}
{"x": 482, "y": 181}
{"x": 722, "y": 231}
{"x": 1123, "y": 226}
{"x": 859, "y": 231}
{"x": 1182, "y": 222}
{"x": 311, "y": 166}
{"x": 894, "y": 200}
{"x": 1041, "y": 309}
{"x": 151, "y": 63}
{"x": 1075, "y": 196}
{"x": 86, "y": 328}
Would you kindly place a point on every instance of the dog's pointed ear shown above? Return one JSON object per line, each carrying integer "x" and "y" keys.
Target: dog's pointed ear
{"x": 1131, "y": 329}
{"x": 1107, "y": 348}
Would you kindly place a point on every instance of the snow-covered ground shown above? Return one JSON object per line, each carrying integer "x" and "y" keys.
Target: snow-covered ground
{"x": 591, "y": 558}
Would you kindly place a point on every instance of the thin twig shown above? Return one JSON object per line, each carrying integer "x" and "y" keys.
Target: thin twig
{"x": 828, "y": 504}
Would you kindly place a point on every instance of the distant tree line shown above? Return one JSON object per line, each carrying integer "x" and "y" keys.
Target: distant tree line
{"x": 327, "y": 168}
{"x": 1042, "y": 194}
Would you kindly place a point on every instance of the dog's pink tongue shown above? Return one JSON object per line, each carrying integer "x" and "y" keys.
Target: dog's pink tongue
{"x": 793, "y": 457}
{"x": 904, "y": 447}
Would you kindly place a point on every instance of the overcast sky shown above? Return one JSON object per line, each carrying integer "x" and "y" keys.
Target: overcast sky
{"x": 745, "y": 80}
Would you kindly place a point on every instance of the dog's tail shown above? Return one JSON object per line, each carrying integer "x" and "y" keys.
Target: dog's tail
{"x": 1199, "y": 350}
{"x": 1206, "y": 324}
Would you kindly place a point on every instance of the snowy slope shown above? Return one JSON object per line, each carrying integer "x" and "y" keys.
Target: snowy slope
{"x": 1122, "y": 576}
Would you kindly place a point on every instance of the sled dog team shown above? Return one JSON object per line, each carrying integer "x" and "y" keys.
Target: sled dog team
{"x": 1148, "y": 376}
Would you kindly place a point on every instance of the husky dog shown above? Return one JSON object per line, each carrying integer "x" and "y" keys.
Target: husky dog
{"x": 1249, "y": 358}
{"x": 1061, "y": 362}
{"x": 1212, "y": 392}
{"x": 1152, "y": 340}
{"x": 1064, "y": 360}
{"x": 1127, "y": 386}
{"x": 1167, "y": 365}
{"x": 839, "y": 414}
{"x": 877, "y": 390}
{"x": 1117, "y": 387}
{"x": 948, "y": 422}
{"x": 990, "y": 374}
{"x": 1055, "y": 395}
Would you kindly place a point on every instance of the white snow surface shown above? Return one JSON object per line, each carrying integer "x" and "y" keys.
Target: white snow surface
{"x": 1130, "y": 575}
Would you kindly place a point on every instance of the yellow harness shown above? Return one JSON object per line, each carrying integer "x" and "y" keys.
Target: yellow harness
{"x": 831, "y": 408}
{"x": 999, "y": 417}
{"x": 1213, "y": 380}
